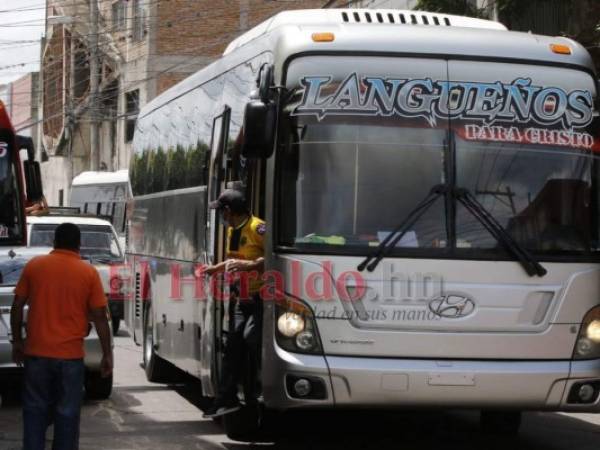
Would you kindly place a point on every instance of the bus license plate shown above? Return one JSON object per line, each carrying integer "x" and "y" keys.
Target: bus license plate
{"x": 451, "y": 379}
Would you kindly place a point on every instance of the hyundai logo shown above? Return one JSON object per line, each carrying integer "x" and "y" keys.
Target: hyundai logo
{"x": 452, "y": 305}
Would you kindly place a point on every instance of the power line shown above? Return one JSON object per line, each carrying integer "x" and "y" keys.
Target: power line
{"x": 219, "y": 41}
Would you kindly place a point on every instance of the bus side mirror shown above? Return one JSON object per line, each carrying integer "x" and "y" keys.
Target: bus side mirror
{"x": 33, "y": 181}
{"x": 259, "y": 129}
{"x": 33, "y": 175}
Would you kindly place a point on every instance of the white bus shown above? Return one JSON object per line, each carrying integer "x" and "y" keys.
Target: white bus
{"x": 103, "y": 194}
{"x": 430, "y": 185}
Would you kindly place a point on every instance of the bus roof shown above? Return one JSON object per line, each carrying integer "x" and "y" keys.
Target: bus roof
{"x": 361, "y": 16}
{"x": 290, "y": 32}
{"x": 93, "y": 178}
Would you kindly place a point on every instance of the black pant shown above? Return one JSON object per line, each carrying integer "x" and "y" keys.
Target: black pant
{"x": 242, "y": 350}
{"x": 53, "y": 389}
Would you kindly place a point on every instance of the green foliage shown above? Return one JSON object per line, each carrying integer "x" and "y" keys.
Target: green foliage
{"x": 155, "y": 170}
{"x": 577, "y": 19}
{"x": 158, "y": 170}
{"x": 506, "y": 8}
{"x": 196, "y": 165}
{"x": 457, "y": 7}
{"x": 139, "y": 173}
{"x": 177, "y": 168}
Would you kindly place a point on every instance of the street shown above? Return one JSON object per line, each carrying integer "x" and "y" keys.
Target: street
{"x": 142, "y": 415}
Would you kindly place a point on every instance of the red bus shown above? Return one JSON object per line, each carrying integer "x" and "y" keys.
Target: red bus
{"x": 20, "y": 182}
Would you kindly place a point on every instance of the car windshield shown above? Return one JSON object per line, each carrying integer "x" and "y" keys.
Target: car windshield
{"x": 10, "y": 269}
{"x": 97, "y": 241}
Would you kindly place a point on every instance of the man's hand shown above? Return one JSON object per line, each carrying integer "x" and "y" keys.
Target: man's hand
{"x": 240, "y": 265}
{"x": 100, "y": 318}
{"x": 106, "y": 366}
{"x": 18, "y": 353}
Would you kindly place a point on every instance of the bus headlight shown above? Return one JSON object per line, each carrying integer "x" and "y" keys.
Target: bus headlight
{"x": 290, "y": 324}
{"x": 593, "y": 331}
{"x": 296, "y": 329}
{"x": 588, "y": 341}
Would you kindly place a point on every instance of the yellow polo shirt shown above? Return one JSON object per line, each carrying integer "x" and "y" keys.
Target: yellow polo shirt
{"x": 247, "y": 242}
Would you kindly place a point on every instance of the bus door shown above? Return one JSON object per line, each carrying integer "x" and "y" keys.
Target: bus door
{"x": 215, "y": 308}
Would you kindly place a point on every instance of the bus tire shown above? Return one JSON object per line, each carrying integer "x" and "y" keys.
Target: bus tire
{"x": 243, "y": 425}
{"x": 501, "y": 423}
{"x": 155, "y": 367}
{"x": 252, "y": 423}
{"x": 98, "y": 387}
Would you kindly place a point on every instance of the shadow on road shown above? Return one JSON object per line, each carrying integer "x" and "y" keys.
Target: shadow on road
{"x": 424, "y": 431}
{"x": 147, "y": 416}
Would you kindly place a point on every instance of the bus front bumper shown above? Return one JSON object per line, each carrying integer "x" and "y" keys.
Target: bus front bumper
{"x": 350, "y": 382}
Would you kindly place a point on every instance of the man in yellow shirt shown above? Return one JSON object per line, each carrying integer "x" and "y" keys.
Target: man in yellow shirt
{"x": 244, "y": 258}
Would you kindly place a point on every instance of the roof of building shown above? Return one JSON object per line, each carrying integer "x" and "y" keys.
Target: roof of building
{"x": 78, "y": 220}
{"x": 86, "y": 178}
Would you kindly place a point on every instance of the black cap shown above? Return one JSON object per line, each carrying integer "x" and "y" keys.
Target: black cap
{"x": 234, "y": 199}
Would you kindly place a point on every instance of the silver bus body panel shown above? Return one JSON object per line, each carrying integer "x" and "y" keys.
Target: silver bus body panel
{"x": 515, "y": 316}
{"x": 429, "y": 383}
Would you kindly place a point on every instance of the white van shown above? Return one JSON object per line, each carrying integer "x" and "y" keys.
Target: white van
{"x": 103, "y": 194}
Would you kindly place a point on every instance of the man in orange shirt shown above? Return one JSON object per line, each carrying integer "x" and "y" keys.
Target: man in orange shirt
{"x": 62, "y": 292}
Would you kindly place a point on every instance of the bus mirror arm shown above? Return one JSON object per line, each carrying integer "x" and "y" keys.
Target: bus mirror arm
{"x": 265, "y": 81}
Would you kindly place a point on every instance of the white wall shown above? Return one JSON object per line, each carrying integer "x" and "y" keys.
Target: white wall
{"x": 55, "y": 174}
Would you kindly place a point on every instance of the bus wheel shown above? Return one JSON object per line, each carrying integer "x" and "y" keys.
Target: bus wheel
{"x": 249, "y": 424}
{"x": 156, "y": 368}
{"x": 505, "y": 423}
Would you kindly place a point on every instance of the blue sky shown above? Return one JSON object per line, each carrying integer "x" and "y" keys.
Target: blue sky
{"x": 20, "y": 20}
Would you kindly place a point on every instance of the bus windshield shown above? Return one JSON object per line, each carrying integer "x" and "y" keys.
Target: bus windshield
{"x": 350, "y": 184}
{"x": 11, "y": 214}
{"x": 348, "y": 178}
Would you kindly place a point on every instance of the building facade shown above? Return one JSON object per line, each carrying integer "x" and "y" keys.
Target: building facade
{"x": 21, "y": 100}
{"x": 145, "y": 47}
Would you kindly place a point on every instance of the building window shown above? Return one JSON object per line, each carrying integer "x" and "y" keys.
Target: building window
{"x": 139, "y": 21}
{"x": 119, "y": 15}
{"x": 132, "y": 108}
{"x": 61, "y": 197}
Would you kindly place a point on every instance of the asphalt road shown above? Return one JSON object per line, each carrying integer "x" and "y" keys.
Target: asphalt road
{"x": 142, "y": 415}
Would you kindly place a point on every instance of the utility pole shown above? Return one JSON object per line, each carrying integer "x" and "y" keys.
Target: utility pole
{"x": 94, "y": 106}
{"x": 71, "y": 114}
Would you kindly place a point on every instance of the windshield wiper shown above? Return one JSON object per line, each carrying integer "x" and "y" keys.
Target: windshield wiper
{"x": 477, "y": 210}
{"x": 390, "y": 241}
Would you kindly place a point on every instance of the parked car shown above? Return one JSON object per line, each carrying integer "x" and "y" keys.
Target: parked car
{"x": 99, "y": 245}
{"x": 12, "y": 262}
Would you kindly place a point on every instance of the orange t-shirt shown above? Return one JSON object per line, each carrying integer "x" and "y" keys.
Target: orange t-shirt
{"x": 60, "y": 289}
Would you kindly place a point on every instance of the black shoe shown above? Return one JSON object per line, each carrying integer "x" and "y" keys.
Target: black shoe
{"x": 219, "y": 408}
